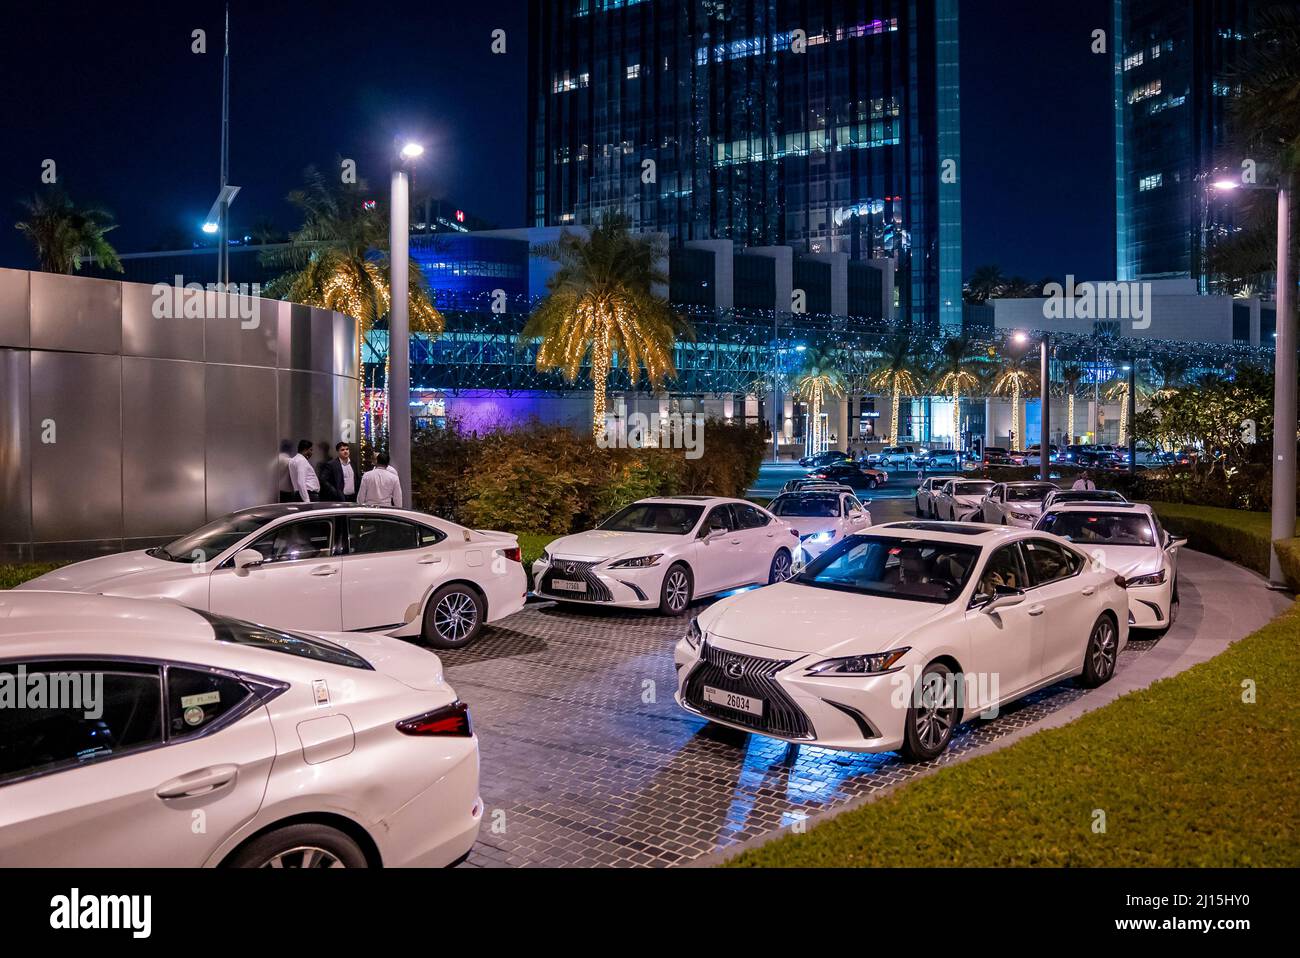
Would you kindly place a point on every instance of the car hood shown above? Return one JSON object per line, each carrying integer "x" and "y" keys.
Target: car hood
{"x": 1029, "y": 506}
{"x": 1128, "y": 561}
{"x": 802, "y": 619}
{"x": 599, "y": 545}
{"x": 108, "y": 573}
{"x": 806, "y": 525}
{"x": 971, "y": 500}
{"x": 413, "y": 666}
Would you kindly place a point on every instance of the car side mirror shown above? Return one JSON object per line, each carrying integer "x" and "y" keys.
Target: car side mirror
{"x": 1004, "y": 597}
{"x": 248, "y": 559}
{"x": 1176, "y": 543}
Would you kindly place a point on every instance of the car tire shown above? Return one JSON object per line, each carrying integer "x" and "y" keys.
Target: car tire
{"x": 782, "y": 567}
{"x": 917, "y": 509}
{"x": 872, "y": 483}
{"x": 929, "y": 727}
{"x": 1173, "y": 611}
{"x": 677, "y": 590}
{"x": 1101, "y": 654}
{"x": 453, "y": 617}
{"x": 300, "y": 846}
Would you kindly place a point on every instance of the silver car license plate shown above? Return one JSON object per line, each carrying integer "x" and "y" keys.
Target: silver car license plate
{"x": 730, "y": 700}
{"x": 568, "y": 585}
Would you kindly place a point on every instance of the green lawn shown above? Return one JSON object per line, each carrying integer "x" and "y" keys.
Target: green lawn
{"x": 12, "y": 574}
{"x": 1186, "y": 774}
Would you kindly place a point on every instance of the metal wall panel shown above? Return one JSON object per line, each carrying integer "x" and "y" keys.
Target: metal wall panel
{"x": 15, "y": 453}
{"x": 15, "y": 312}
{"x": 306, "y": 338}
{"x": 241, "y": 437}
{"x": 307, "y": 410}
{"x": 169, "y": 331}
{"x": 246, "y": 341}
{"x": 346, "y": 357}
{"x": 75, "y": 313}
{"x": 347, "y": 406}
{"x": 77, "y": 478}
{"x": 163, "y": 440}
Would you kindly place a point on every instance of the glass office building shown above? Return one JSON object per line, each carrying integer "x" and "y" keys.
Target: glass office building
{"x": 1174, "y": 63}
{"x": 829, "y": 127}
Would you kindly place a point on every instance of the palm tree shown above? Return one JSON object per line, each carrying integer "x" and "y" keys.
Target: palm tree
{"x": 65, "y": 234}
{"x": 954, "y": 373}
{"x": 336, "y": 261}
{"x": 1014, "y": 377}
{"x": 1171, "y": 370}
{"x": 1071, "y": 376}
{"x": 818, "y": 380}
{"x": 897, "y": 375}
{"x": 601, "y": 303}
{"x": 985, "y": 282}
{"x": 1117, "y": 391}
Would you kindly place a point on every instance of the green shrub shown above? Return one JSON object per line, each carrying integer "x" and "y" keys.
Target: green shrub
{"x": 1288, "y": 556}
{"x": 1234, "y": 534}
{"x": 18, "y": 573}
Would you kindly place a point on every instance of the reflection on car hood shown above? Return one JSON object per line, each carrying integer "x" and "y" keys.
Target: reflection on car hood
{"x": 105, "y": 573}
{"x": 600, "y": 544}
{"x": 802, "y": 619}
{"x": 1128, "y": 561}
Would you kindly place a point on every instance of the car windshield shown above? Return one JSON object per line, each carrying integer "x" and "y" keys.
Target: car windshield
{"x": 278, "y": 640}
{"x": 1028, "y": 493}
{"x": 205, "y": 544}
{"x": 1093, "y": 495}
{"x": 1088, "y": 528}
{"x": 666, "y": 517}
{"x": 971, "y": 488}
{"x": 922, "y": 570}
{"x": 820, "y": 507}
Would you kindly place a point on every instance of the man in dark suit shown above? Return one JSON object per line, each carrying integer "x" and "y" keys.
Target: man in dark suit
{"x": 339, "y": 477}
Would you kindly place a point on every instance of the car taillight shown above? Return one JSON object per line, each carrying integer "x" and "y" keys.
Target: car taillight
{"x": 514, "y": 555}
{"x": 451, "y": 719}
{"x": 1121, "y": 582}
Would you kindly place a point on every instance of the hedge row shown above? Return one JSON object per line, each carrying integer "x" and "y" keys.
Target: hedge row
{"x": 1233, "y": 534}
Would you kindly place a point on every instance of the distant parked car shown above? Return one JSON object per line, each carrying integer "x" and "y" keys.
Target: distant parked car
{"x": 1015, "y": 503}
{"x": 926, "y": 492}
{"x": 939, "y": 459}
{"x": 801, "y": 485}
{"x": 997, "y": 456}
{"x": 821, "y": 518}
{"x": 830, "y": 457}
{"x": 904, "y": 455}
{"x": 1063, "y": 496}
{"x": 851, "y": 475}
{"x": 959, "y": 500}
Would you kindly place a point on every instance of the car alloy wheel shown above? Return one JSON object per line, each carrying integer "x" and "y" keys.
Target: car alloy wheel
{"x": 453, "y": 617}
{"x": 1100, "y": 656}
{"x": 782, "y": 566}
{"x": 304, "y": 856}
{"x": 933, "y": 714}
{"x": 676, "y": 591}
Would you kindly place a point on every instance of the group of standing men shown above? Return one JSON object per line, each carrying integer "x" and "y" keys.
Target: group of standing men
{"x": 339, "y": 479}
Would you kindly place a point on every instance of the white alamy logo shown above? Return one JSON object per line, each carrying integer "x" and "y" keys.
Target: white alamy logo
{"x": 1105, "y": 301}
{"x": 654, "y": 431}
{"x": 59, "y": 691}
{"x": 75, "y": 910}
{"x": 233, "y": 301}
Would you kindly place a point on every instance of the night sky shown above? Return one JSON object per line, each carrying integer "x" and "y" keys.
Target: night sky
{"x": 113, "y": 93}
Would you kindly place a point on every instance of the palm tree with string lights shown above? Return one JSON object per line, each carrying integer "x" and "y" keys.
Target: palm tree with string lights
{"x": 1014, "y": 377}
{"x": 818, "y": 380}
{"x": 601, "y": 307}
{"x": 1071, "y": 376}
{"x": 1117, "y": 392}
{"x": 956, "y": 373}
{"x": 1171, "y": 370}
{"x": 897, "y": 374}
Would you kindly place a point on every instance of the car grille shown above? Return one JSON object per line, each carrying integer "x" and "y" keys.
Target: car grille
{"x": 597, "y": 591}
{"x": 757, "y": 679}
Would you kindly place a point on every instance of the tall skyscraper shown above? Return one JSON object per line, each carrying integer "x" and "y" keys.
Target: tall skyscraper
{"x": 1174, "y": 62}
{"x": 830, "y": 127}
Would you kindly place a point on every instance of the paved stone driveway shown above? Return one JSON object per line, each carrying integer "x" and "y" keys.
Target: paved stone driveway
{"x": 587, "y": 761}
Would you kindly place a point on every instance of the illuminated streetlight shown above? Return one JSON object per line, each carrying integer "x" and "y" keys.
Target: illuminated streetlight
{"x": 411, "y": 151}
{"x": 399, "y": 314}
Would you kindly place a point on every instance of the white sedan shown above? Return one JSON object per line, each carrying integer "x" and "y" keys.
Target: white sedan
{"x": 892, "y": 638}
{"x": 926, "y": 492}
{"x": 820, "y": 518}
{"x": 1126, "y": 538}
{"x": 1015, "y": 503}
{"x": 959, "y": 500}
{"x": 324, "y": 566}
{"x": 666, "y": 552}
{"x": 172, "y": 737}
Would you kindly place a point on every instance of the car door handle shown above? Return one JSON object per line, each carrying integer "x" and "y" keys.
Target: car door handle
{"x": 1036, "y": 609}
{"x": 197, "y": 783}
{"x": 1089, "y": 591}
{"x": 324, "y": 570}
{"x": 735, "y": 542}
{"x": 429, "y": 560}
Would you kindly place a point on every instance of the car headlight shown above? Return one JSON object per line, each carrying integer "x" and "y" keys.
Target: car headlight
{"x": 1023, "y": 516}
{"x": 817, "y": 537}
{"x": 640, "y": 562}
{"x": 694, "y": 634}
{"x": 546, "y": 557}
{"x": 1154, "y": 578}
{"x": 875, "y": 664}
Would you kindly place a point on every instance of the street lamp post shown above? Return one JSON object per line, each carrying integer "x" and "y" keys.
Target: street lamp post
{"x": 1044, "y": 401}
{"x": 1284, "y": 379}
{"x": 399, "y": 319}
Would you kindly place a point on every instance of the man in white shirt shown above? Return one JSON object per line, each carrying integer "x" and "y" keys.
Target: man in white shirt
{"x": 339, "y": 479}
{"x": 1084, "y": 483}
{"x": 380, "y": 486}
{"x": 306, "y": 485}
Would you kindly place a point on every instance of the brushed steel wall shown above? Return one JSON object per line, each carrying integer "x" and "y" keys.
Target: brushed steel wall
{"x": 130, "y": 413}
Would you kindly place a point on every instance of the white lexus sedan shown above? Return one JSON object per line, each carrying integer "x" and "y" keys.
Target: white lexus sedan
{"x": 1015, "y": 503}
{"x": 666, "y": 552}
{"x": 170, "y": 737}
{"x": 959, "y": 500}
{"x": 324, "y": 566}
{"x": 820, "y": 518}
{"x": 926, "y": 492}
{"x": 1126, "y": 538}
{"x": 892, "y": 638}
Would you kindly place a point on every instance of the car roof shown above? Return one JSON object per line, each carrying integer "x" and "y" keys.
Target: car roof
{"x": 279, "y": 510}
{"x": 1032, "y": 482}
{"x": 34, "y": 612}
{"x": 968, "y": 533}
{"x": 688, "y": 500}
{"x": 1139, "y": 507}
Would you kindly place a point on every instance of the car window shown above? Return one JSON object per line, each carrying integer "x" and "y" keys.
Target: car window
{"x": 1048, "y": 561}
{"x": 661, "y": 517}
{"x": 853, "y": 503}
{"x": 718, "y": 517}
{"x": 226, "y": 629}
{"x": 85, "y": 712}
{"x": 750, "y": 518}
{"x": 303, "y": 539}
{"x": 1005, "y": 569}
{"x": 196, "y": 699}
{"x": 368, "y": 534}
{"x": 913, "y": 569}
